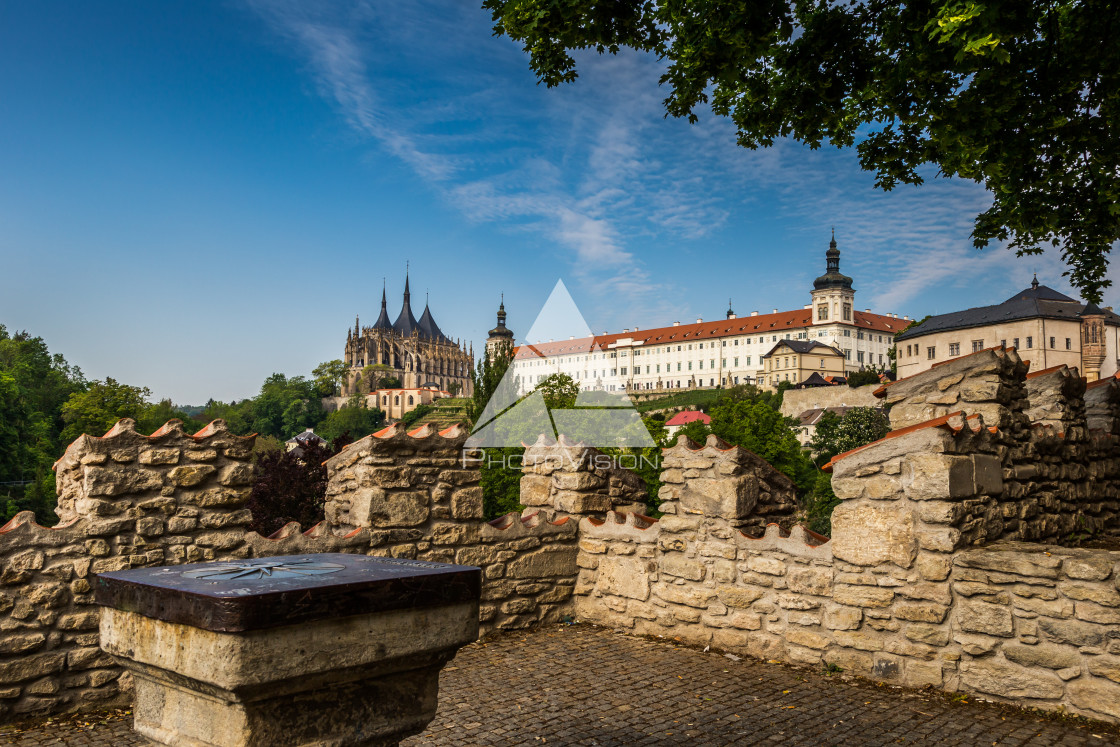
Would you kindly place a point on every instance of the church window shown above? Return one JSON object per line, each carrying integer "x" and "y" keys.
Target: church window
{"x": 954, "y": 348}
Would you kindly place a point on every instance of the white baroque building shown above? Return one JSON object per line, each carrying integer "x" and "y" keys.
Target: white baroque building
{"x": 720, "y": 353}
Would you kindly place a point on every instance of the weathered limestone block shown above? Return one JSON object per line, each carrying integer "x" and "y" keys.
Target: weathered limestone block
{"x": 871, "y": 535}
{"x": 995, "y": 676}
{"x": 624, "y": 576}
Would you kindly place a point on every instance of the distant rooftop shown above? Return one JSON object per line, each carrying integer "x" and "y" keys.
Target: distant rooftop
{"x": 1033, "y": 302}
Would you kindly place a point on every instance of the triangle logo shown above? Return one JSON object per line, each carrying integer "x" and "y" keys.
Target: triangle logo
{"x": 516, "y": 414}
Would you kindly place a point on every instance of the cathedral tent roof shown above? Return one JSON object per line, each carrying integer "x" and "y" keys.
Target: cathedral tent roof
{"x": 406, "y": 322}
{"x": 428, "y": 326}
{"x": 383, "y": 320}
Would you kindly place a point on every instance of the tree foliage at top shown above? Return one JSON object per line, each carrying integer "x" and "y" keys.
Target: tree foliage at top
{"x": 1022, "y": 96}
{"x": 837, "y": 434}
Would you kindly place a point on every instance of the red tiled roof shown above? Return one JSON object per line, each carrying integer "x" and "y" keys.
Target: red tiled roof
{"x": 747, "y": 325}
{"x": 688, "y": 416}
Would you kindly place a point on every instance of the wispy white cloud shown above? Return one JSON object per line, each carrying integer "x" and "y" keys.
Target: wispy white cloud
{"x": 595, "y": 170}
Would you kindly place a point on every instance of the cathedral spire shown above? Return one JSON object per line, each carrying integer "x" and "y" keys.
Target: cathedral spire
{"x": 357, "y": 329}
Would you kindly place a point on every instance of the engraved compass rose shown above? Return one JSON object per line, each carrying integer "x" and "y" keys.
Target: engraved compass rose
{"x": 287, "y": 568}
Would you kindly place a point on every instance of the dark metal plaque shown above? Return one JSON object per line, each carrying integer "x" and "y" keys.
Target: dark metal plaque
{"x": 236, "y": 596}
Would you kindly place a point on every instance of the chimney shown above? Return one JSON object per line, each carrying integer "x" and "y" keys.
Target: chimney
{"x": 625, "y": 330}
{"x": 867, "y": 311}
{"x": 754, "y": 313}
{"x": 775, "y": 311}
{"x": 905, "y": 318}
{"x": 635, "y": 328}
{"x": 676, "y": 324}
{"x": 699, "y": 320}
{"x": 571, "y": 337}
{"x": 807, "y": 306}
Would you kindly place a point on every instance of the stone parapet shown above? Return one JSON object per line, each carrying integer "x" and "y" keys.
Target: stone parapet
{"x": 574, "y": 478}
{"x": 718, "y": 480}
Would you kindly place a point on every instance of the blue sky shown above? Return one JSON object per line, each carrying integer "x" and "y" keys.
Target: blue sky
{"x": 196, "y": 195}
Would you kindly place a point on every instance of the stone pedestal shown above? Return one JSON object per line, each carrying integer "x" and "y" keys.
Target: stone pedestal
{"x": 326, "y": 649}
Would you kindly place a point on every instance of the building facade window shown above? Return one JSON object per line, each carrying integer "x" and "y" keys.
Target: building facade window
{"x": 1069, "y": 344}
{"x": 954, "y": 348}
{"x": 977, "y": 345}
{"x": 822, "y": 311}
{"x": 931, "y": 353}
{"x": 1030, "y": 343}
{"x": 847, "y": 312}
{"x": 1052, "y": 345}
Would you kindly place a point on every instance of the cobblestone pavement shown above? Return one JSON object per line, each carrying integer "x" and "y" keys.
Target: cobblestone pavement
{"x": 582, "y": 685}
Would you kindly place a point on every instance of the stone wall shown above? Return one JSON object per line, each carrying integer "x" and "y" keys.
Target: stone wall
{"x": 129, "y": 500}
{"x": 1039, "y": 625}
{"x": 923, "y": 581}
{"x": 126, "y": 500}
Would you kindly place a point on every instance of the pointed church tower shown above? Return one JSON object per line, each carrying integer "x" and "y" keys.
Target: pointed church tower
{"x": 500, "y": 334}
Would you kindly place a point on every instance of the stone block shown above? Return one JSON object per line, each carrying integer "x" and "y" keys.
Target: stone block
{"x": 769, "y": 566}
{"x": 1099, "y": 696}
{"x": 624, "y": 576}
{"x": 862, "y": 596}
{"x": 466, "y": 503}
{"x": 546, "y": 563}
{"x": 938, "y": 477}
{"x": 1105, "y": 666}
{"x": 807, "y": 638}
{"x": 981, "y": 617}
{"x": 810, "y": 580}
{"x": 687, "y": 595}
{"x": 996, "y": 676}
{"x": 927, "y": 612}
{"x": 377, "y": 507}
{"x": 676, "y": 564}
{"x": 536, "y": 490}
{"x": 871, "y": 535}
{"x": 31, "y": 667}
{"x": 1098, "y": 593}
{"x": 190, "y": 475}
{"x": 1041, "y": 655}
{"x": 1089, "y": 568}
{"x": 1074, "y": 632}
{"x": 928, "y": 634}
{"x": 842, "y": 618}
{"x": 730, "y": 498}
{"x": 581, "y": 503}
{"x": 737, "y": 596}
{"x": 922, "y": 674}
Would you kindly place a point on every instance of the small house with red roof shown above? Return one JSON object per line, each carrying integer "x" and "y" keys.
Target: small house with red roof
{"x": 683, "y": 418}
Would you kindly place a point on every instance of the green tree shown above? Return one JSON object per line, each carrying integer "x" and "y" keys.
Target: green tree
{"x": 759, "y": 428}
{"x": 1022, "y": 96}
{"x": 95, "y": 410}
{"x": 329, "y": 377}
{"x": 559, "y": 391}
{"x": 500, "y": 472}
{"x": 836, "y": 434}
{"x": 155, "y": 415}
{"x": 488, "y": 375}
{"x": 354, "y": 419}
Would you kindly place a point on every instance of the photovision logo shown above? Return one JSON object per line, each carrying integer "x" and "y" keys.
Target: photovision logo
{"x": 603, "y": 416}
